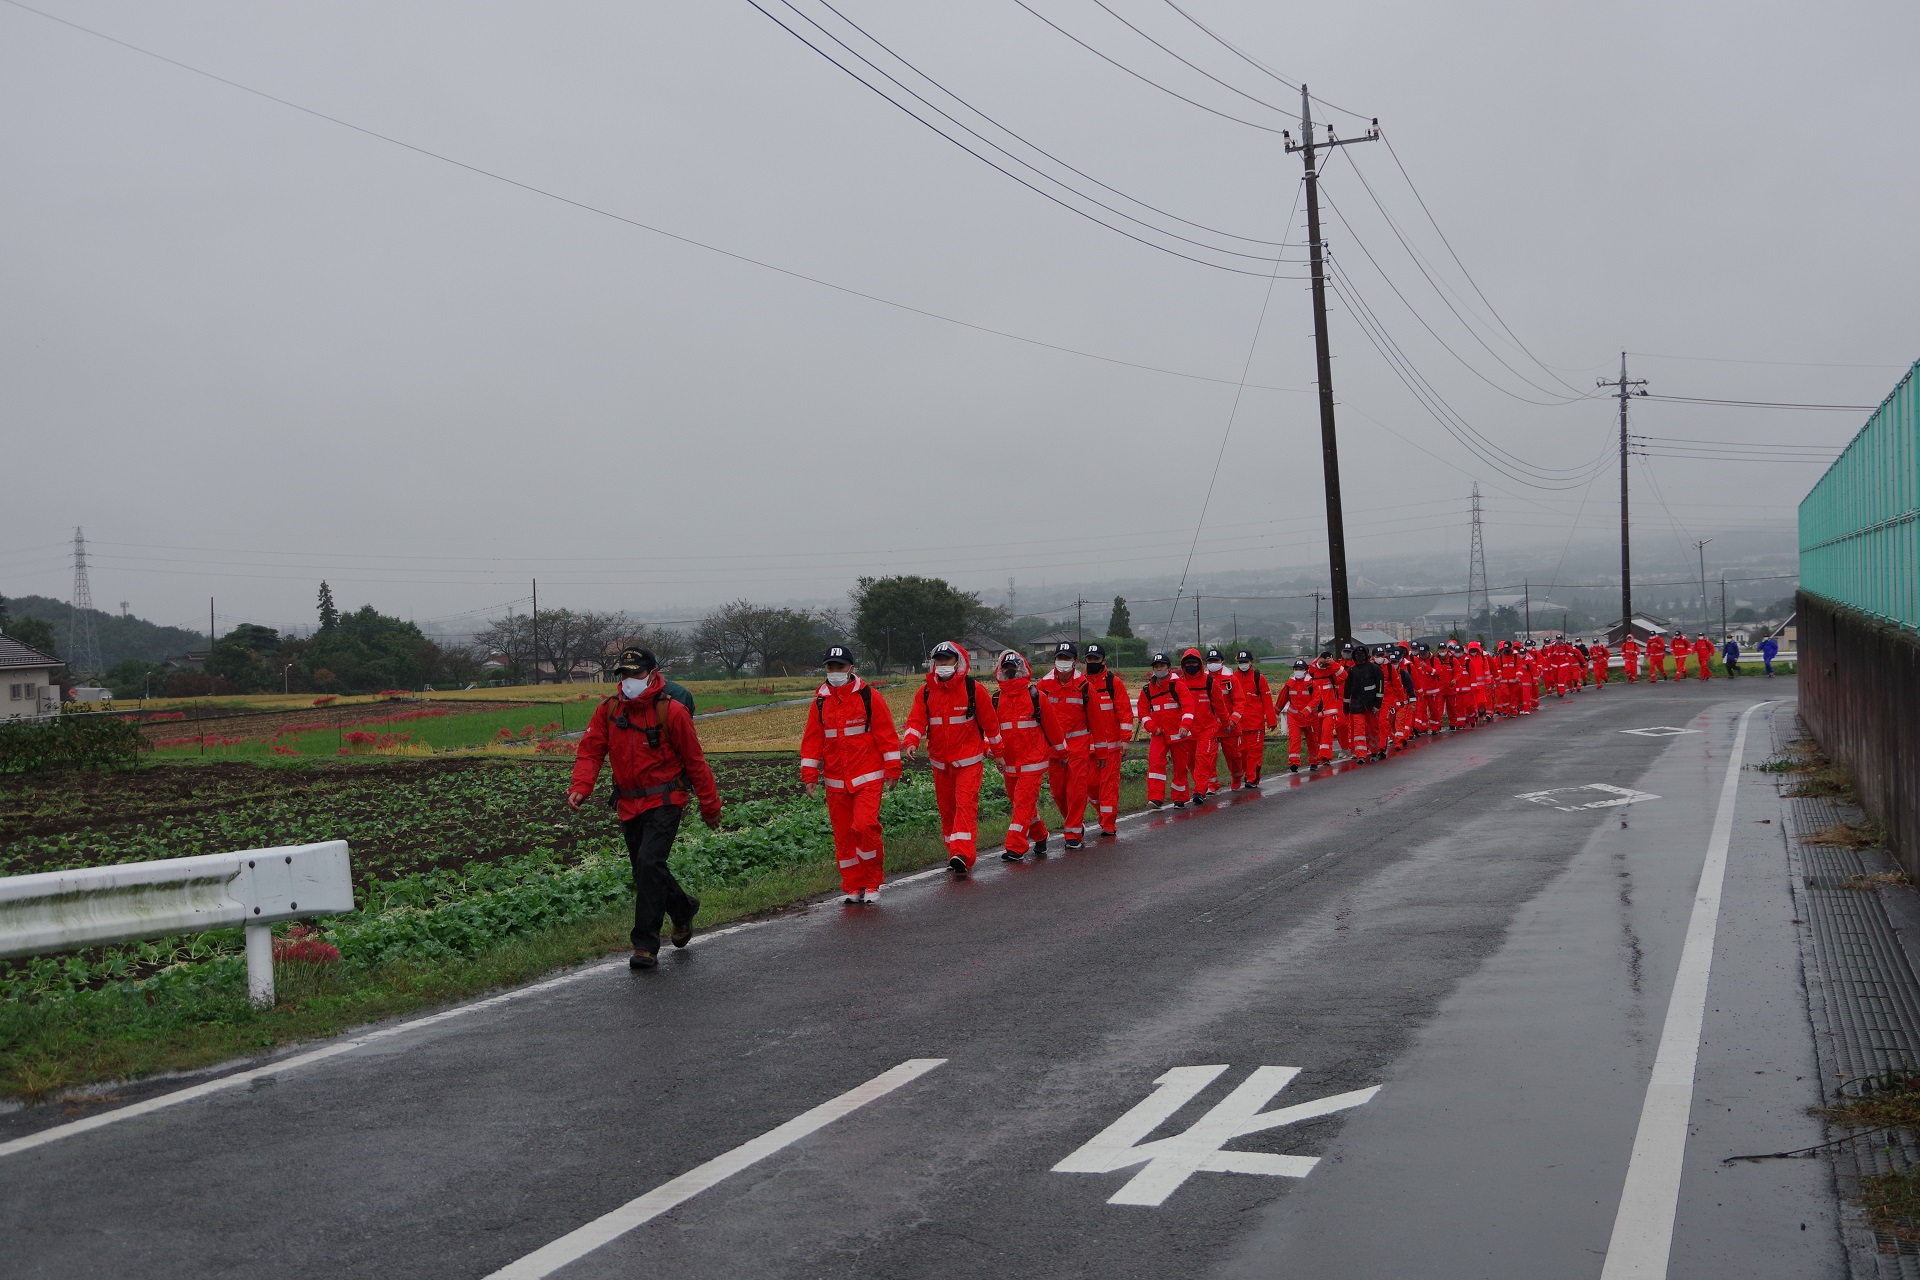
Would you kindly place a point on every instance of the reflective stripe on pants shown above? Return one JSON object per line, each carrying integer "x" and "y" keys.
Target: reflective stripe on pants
{"x": 1023, "y": 797}
{"x": 857, "y": 841}
{"x": 1173, "y": 763}
{"x": 1103, "y": 785}
{"x": 958, "y": 791}
{"x": 1067, "y": 780}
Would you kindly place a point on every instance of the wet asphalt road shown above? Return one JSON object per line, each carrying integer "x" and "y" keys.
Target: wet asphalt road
{"x": 1498, "y": 967}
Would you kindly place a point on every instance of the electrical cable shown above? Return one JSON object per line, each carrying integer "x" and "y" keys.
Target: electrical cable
{"x": 1024, "y": 141}
{"x": 1259, "y": 102}
{"x": 1258, "y": 65}
{"x": 1796, "y": 364}
{"x": 1764, "y": 404}
{"x": 789, "y": 272}
{"x": 908, "y": 111}
{"x": 1224, "y": 115}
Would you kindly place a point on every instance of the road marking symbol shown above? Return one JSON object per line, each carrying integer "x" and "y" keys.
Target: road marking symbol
{"x": 611, "y": 1226}
{"x": 1568, "y": 799}
{"x": 1171, "y": 1161}
{"x": 1660, "y": 731}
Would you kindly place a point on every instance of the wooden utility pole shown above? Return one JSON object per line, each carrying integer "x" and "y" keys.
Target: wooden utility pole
{"x": 1624, "y": 387}
{"x": 1323, "y": 359}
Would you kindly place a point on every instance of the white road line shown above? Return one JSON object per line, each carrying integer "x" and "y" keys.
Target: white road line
{"x": 1643, "y": 1227}
{"x": 607, "y": 1227}
{"x": 74, "y": 1128}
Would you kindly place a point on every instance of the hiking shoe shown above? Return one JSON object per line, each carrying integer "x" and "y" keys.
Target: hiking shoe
{"x": 1155, "y": 804}
{"x": 1008, "y": 855}
{"x": 641, "y": 960}
{"x": 1073, "y": 844}
{"x": 858, "y": 898}
{"x": 872, "y": 897}
{"x": 1108, "y": 834}
{"x": 1181, "y": 804}
{"x": 957, "y": 865}
{"x": 683, "y": 929}
{"x": 1040, "y": 845}
{"x": 1294, "y": 768}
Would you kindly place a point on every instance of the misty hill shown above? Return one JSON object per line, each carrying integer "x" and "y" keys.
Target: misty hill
{"x": 120, "y": 638}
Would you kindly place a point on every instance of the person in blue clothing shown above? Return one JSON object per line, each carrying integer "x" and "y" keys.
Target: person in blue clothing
{"x": 1730, "y": 656}
{"x": 1769, "y": 647}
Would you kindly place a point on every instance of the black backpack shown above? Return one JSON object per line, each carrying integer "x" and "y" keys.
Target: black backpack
{"x": 926, "y": 703}
{"x": 866, "y": 701}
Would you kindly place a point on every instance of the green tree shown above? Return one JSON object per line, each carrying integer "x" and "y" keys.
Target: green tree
{"x": 1743, "y": 614}
{"x": 35, "y": 633}
{"x": 1121, "y": 624}
{"x": 248, "y": 656}
{"x": 329, "y": 615}
{"x": 901, "y": 617}
{"x": 366, "y": 651}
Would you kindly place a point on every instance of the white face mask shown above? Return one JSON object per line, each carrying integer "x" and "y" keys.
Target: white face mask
{"x": 633, "y": 688}
{"x": 838, "y": 678}
{"x": 1063, "y": 665}
{"x": 1213, "y": 666}
{"x": 1246, "y": 666}
{"x": 945, "y": 670}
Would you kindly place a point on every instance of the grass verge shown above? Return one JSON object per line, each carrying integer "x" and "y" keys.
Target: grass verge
{"x": 1892, "y": 1200}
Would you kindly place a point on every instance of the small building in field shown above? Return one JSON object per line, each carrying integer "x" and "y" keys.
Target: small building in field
{"x": 1644, "y": 626}
{"x": 29, "y": 680}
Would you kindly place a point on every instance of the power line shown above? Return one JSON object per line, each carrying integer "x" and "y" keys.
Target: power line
{"x": 1234, "y": 89}
{"x": 908, "y": 111}
{"x": 1224, "y": 115}
{"x": 1024, "y": 141}
{"x": 1258, "y": 65}
{"x": 581, "y": 205}
{"x": 1795, "y": 364}
{"x": 1766, "y": 404}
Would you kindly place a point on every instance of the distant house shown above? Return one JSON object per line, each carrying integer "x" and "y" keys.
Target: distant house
{"x": 1645, "y": 625}
{"x": 29, "y": 680}
{"x": 185, "y": 662}
{"x": 982, "y": 653}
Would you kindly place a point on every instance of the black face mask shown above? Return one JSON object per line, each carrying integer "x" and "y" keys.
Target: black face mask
{"x": 1095, "y": 666}
{"x": 1191, "y": 668}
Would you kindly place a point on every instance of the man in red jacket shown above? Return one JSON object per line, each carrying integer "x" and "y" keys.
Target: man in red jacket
{"x": 1599, "y": 656}
{"x": 1682, "y": 650}
{"x": 1657, "y": 657}
{"x": 657, "y": 764}
{"x": 1066, "y": 690}
{"x": 1254, "y": 696}
{"x": 956, "y": 717}
{"x": 1030, "y": 740}
{"x": 1110, "y": 716}
{"x": 1212, "y": 705}
{"x": 1703, "y": 652}
{"x": 849, "y": 744}
{"x": 1304, "y": 700}
{"x": 1166, "y": 714}
{"x": 1630, "y": 658}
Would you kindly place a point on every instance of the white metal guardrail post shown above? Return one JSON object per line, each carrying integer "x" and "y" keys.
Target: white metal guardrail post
{"x": 254, "y": 888}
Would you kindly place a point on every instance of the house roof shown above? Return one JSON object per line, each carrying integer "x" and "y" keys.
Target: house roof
{"x": 15, "y": 654}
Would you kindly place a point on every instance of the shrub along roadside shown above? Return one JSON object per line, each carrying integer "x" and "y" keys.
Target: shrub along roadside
{"x": 424, "y": 940}
{"x": 70, "y": 742}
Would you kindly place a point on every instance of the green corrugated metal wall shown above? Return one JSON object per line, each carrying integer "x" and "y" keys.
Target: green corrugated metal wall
{"x": 1860, "y": 525}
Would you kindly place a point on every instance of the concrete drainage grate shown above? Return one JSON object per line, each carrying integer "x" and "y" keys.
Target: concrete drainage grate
{"x": 1864, "y": 997}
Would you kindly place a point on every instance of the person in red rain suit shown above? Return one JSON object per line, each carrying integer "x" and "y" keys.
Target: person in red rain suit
{"x": 1166, "y": 715}
{"x": 1500, "y": 672}
{"x": 1703, "y": 653}
{"x": 1455, "y": 685}
{"x": 657, "y": 767}
{"x": 849, "y": 745}
{"x": 1253, "y": 694}
{"x": 1598, "y": 656}
{"x": 1065, "y": 689}
{"x": 1304, "y": 700}
{"x": 1656, "y": 657}
{"x": 1480, "y": 680}
{"x": 955, "y": 716}
{"x": 1227, "y": 709}
{"x": 1682, "y": 650}
{"x": 1363, "y": 694}
{"x": 1630, "y": 658}
{"x": 1030, "y": 740}
{"x": 1396, "y": 712}
{"x": 1426, "y": 685}
{"x": 1110, "y": 717}
{"x": 1210, "y": 712}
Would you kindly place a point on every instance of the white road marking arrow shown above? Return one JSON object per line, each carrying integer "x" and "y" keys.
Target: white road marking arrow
{"x": 1171, "y": 1161}
{"x": 1564, "y": 798}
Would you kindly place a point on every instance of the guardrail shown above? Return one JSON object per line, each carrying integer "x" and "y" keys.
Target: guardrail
{"x": 255, "y": 888}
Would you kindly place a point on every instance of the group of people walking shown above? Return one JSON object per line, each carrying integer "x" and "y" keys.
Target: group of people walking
{"x": 1070, "y": 729}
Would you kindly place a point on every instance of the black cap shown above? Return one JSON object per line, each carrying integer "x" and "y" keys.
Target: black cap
{"x": 1326, "y": 655}
{"x": 1160, "y": 659}
{"x": 635, "y": 659}
{"x": 837, "y": 653}
{"x": 1299, "y": 664}
{"x": 1214, "y": 655}
{"x": 1096, "y": 651}
{"x": 1245, "y": 655}
{"x": 1065, "y": 649}
{"x": 945, "y": 650}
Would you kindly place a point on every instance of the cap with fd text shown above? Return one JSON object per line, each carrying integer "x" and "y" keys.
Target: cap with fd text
{"x": 1213, "y": 655}
{"x": 1299, "y": 664}
{"x": 947, "y": 651}
{"x": 837, "y": 653}
{"x": 635, "y": 659}
{"x": 1245, "y": 655}
{"x": 1065, "y": 649}
{"x": 1096, "y": 651}
{"x": 1160, "y": 659}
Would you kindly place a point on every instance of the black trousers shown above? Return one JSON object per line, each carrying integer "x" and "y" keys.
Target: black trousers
{"x": 656, "y": 894}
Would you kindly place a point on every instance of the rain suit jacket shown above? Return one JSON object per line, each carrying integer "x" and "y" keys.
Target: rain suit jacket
{"x": 843, "y": 746}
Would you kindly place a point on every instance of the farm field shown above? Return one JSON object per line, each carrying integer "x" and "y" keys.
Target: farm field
{"x": 470, "y": 874}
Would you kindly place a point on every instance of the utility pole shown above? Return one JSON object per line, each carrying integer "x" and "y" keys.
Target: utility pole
{"x": 1701, "y": 547}
{"x": 1526, "y": 600}
{"x": 1477, "y": 562}
{"x": 1323, "y": 359}
{"x": 1196, "y": 619}
{"x": 1723, "y": 606}
{"x": 533, "y": 637}
{"x": 1316, "y": 622}
{"x": 1079, "y": 630}
{"x": 1624, "y": 387}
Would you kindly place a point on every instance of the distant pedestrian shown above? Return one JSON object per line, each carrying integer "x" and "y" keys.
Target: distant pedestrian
{"x": 954, "y": 713}
{"x": 1768, "y": 647}
{"x": 657, "y": 766}
{"x": 1730, "y": 656}
{"x": 849, "y": 745}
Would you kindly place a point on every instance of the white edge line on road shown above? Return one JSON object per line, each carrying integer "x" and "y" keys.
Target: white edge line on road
{"x": 1643, "y": 1226}
{"x": 581, "y": 1241}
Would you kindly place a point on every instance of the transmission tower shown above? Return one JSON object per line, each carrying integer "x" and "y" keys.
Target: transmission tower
{"x": 1477, "y": 564}
{"x": 83, "y": 646}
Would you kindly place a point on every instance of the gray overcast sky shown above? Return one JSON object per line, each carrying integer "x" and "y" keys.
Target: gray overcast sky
{"x": 248, "y": 348}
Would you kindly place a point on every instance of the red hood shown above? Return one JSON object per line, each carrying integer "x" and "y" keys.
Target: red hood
{"x": 1017, "y": 656}
{"x": 965, "y": 664}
